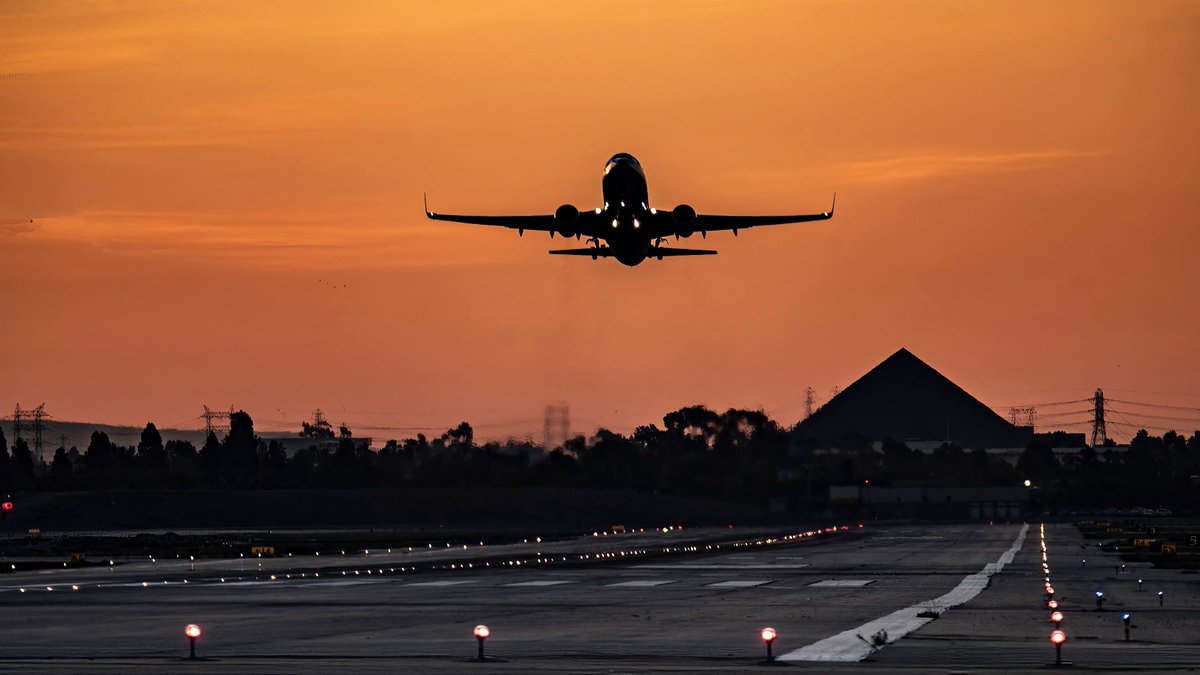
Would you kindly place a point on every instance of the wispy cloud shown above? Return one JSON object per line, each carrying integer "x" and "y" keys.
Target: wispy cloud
{"x": 265, "y": 239}
{"x": 922, "y": 166}
{"x": 18, "y": 226}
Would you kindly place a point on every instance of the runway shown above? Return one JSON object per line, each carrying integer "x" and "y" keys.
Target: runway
{"x": 699, "y": 610}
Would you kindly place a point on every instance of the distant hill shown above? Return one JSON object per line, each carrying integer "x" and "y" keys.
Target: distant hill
{"x": 79, "y": 433}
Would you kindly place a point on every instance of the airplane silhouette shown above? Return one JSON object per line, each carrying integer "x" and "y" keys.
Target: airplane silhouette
{"x": 626, "y": 227}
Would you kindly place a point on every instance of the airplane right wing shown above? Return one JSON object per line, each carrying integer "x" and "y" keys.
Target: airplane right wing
{"x": 584, "y": 221}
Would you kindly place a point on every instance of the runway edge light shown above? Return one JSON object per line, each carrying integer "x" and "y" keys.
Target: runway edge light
{"x": 1058, "y": 638}
{"x": 192, "y": 631}
{"x": 481, "y": 633}
{"x": 768, "y": 636}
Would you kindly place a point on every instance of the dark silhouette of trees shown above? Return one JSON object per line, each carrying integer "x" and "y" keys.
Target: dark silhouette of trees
{"x": 738, "y": 455}
{"x": 150, "y": 450}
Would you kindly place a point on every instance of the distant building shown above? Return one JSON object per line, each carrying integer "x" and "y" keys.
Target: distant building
{"x": 905, "y": 399}
{"x": 992, "y": 503}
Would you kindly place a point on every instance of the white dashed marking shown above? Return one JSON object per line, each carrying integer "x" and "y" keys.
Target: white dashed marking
{"x": 842, "y": 583}
{"x": 540, "y": 583}
{"x": 640, "y": 583}
{"x": 740, "y": 583}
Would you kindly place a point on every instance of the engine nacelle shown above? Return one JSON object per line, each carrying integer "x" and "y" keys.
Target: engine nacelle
{"x": 685, "y": 220}
{"x": 565, "y": 218}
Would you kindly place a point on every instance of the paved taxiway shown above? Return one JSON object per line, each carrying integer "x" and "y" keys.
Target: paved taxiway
{"x": 681, "y": 613}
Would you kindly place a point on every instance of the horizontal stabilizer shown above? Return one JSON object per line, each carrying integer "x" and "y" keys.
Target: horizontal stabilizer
{"x": 601, "y": 252}
{"x": 666, "y": 252}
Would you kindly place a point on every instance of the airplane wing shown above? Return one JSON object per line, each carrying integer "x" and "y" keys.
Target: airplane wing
{"x": 712, "y": 223}
{"x": 536, "y": 223}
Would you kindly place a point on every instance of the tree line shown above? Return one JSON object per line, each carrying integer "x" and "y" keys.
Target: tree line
{"x": 738, "y": 456}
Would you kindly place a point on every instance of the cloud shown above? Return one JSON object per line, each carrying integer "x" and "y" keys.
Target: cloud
{"x": 19, "y": 226}
{"x": 938, "y": 165}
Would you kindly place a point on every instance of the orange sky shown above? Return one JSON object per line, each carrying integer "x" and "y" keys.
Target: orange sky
{"x": 1017, "y": 205}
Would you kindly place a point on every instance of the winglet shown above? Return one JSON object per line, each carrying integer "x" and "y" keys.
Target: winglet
{"x": 832, "y": 208}
{"x": 428, "y": 213}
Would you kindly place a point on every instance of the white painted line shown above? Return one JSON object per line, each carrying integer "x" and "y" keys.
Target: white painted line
{"x": 640, "y": 583}
{"x": 740, "y": 583}
{"x": 722, "y": 566}
{"x": 440, "y": 583}
{"x": 848, "y": 646}
{"x": 541, "y": 583}
{"x": 842, "y": 583}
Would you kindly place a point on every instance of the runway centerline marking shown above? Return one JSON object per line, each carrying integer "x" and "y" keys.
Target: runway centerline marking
{"x": 640, "y": 583}
{"x": 848, "y": 646}
{"x": 441, "y": 583}
{"x": 842, "y": 583}
{"x": 740, "y": 583}
{"x": 542, "y": 583}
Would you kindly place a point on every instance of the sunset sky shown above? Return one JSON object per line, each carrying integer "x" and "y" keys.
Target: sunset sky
{"x": 226, "y": 205}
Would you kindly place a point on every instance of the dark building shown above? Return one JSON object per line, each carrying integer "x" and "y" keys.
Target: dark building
{"x": 906, "y": 400}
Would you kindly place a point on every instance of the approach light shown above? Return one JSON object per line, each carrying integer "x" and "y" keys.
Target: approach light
{"x": 768, "y": 636}
{"x": 1028, "y": 482}
{"x": 1053, "y": 604}
{"x": 1056, "y": 617}
{"x": 481, "y": 633}
{"x": 192, "y": 631}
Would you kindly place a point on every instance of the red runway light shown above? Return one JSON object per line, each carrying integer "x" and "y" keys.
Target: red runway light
{"x": 1056, "y": 616}
{"x": 1058, "y": 637}
{"x": 1053, "y": 604}
{"x": 481, "y": 631}
{"x": 768, "y": 634}
{"x": 7, "y": 506}
{"x": 192, "y": 631}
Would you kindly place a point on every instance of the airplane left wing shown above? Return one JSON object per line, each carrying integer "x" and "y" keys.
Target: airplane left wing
{"x": 711, "y": 223}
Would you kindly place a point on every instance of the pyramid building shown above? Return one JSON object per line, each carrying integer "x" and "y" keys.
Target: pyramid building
{"x": 907, "y": 400}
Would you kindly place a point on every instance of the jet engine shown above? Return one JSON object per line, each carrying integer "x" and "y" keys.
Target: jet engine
{"x": 685, "y": 220}
{"x": 565, "y": 218}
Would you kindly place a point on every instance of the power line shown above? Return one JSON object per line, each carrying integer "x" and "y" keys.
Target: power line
{"x": 1156, "y": 405}
{"x": 1141, "y": 415}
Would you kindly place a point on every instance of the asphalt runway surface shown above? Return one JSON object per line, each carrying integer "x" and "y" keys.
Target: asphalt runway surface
{"x": 694, "y": 607}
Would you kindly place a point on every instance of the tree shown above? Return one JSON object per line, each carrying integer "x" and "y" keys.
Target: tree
{"x": 22, "y": 463}
{"x": 5, "y": 465}
{"x": 150, "y": 448}
{"x": 100, "y": 453}
{"x": 1037, "y": 463}
{"x": 61, "y": 467}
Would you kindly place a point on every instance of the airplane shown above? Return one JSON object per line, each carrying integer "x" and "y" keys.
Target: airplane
{"x": 627, "y": 227}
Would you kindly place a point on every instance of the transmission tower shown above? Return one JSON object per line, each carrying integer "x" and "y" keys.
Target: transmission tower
{"x": 1099, "y": 435}
{"x": 556, "y": 427}
{"x": 1022, "y": 416}
{"x": 39, "y": 413}
{"x": 36, "y": 425}
{"x": 809, "y": 401}
{"x": 221, "y": 417}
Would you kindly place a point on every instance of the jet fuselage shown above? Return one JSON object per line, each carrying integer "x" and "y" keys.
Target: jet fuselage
{"x": 626, "y": 203}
